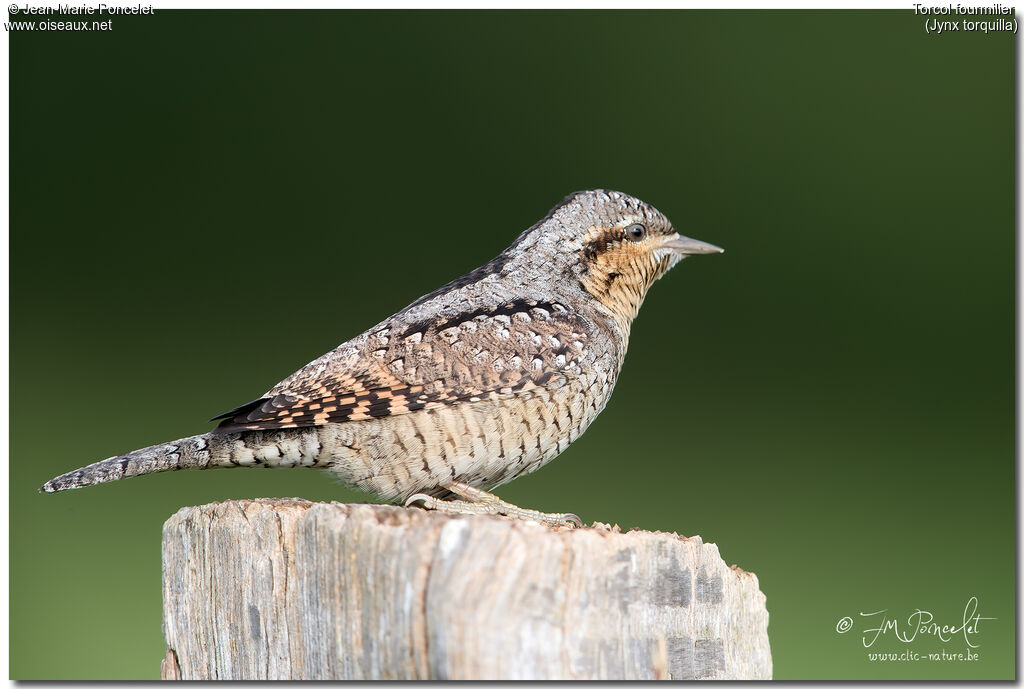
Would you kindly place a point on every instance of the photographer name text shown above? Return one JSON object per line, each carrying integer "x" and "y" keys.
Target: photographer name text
{"x": 102, "y": 9}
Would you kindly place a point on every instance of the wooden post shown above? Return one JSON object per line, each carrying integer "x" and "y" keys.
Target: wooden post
{"x": 290, "y": 589}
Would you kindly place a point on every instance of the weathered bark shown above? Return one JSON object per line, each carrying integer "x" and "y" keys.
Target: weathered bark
{"x": 289, "y": 589}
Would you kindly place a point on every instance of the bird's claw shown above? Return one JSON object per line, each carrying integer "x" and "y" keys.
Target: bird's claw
{"x": 419, "y": 496}
{"x": 481, "y": 502}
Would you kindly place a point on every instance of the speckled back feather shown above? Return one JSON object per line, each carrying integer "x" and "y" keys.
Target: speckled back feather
{"x": 488, "y": 353}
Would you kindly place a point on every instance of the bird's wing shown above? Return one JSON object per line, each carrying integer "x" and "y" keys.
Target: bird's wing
{"x": 398, "y": 368}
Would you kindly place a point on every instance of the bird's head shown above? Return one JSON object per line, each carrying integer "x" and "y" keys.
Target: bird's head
{"x": 615, "y": 246}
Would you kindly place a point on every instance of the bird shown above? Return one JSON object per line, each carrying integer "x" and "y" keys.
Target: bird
{"x": 481, "y": 381}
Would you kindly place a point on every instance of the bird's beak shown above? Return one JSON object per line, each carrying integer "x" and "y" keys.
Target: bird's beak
{"x": 685, "y": 245}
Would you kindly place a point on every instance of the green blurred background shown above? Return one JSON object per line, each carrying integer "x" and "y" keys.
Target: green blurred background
{"x": 202, "y": 202}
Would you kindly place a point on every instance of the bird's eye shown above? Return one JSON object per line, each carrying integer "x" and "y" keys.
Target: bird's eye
{"x": 636, "y": 233}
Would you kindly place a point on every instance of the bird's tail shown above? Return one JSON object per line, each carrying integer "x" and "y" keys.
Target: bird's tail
{"x": 188, "y": 453}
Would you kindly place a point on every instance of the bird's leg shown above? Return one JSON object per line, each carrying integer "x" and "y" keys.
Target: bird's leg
{"x": 481, "y": 502}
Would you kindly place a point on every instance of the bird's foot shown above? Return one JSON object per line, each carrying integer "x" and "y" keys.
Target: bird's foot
{"x": 481, "y": 502}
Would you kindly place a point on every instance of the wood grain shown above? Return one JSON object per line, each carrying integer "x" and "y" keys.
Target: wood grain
{"x": 290, "y": 589}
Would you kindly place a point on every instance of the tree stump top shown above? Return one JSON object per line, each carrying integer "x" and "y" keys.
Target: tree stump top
{"x": 290, "y": 589}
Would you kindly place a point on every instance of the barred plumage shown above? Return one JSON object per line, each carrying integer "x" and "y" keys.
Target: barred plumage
{"x": 476, "y": 383}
